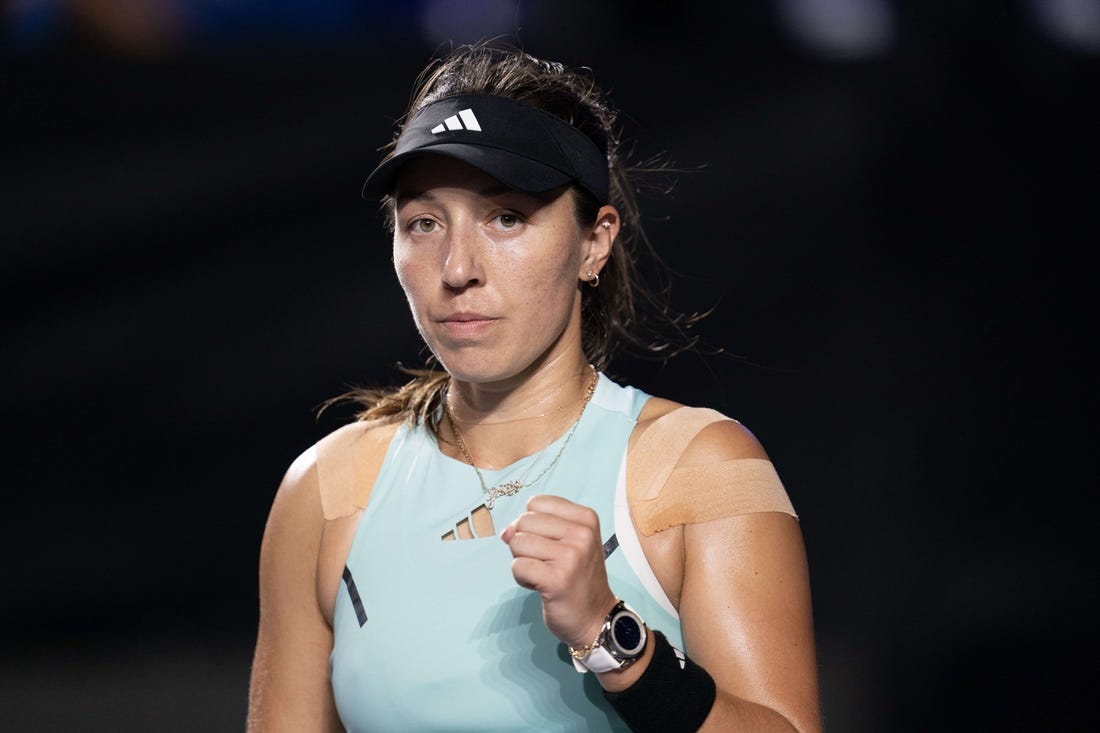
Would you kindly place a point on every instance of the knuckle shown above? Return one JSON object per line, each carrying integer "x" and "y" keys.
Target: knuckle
{"x": 574, "y": 554}
{"x": 585, "y": 534}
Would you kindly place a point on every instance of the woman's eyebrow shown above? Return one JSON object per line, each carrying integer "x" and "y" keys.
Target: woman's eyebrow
{"x": 401, "y": 197}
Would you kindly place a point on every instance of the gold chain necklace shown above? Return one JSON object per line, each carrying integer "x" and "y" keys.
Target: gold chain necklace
{"x": 509, "y": 488}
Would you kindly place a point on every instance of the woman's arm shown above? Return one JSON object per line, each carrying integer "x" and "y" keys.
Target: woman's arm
{"x": 740, "y": 583}
{"x": 290, "y": 688}
{"x": 745, "y": 606}
{"x": 746, "y": 618}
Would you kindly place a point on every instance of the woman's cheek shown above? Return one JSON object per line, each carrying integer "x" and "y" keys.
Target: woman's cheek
{"x": 406, "y": 269}
{"x": 407, "y": 277}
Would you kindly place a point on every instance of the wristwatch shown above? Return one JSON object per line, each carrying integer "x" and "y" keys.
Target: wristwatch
{"x": 618, "y": 645}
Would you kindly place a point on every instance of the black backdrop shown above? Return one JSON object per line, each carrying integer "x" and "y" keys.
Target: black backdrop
{"x": 898, "y": 246}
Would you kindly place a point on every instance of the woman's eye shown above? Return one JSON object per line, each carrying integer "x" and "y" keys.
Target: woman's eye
{"x": 508, "y": 221}
{"x": 423, "y": 226}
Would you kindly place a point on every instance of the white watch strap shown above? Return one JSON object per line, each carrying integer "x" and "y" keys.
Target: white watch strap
{"x": 599, "y": 660}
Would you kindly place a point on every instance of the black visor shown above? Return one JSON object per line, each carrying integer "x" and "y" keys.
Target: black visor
{"x": 521, "y": 146}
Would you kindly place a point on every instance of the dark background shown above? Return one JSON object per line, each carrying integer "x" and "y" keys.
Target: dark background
{"x": 892, "y": 205}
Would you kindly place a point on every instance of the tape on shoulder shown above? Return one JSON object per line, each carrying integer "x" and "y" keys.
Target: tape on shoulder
{"x": 661, "y": 495}
{"x": 658, "y": 449}
{"x": 348, "y": 462}
{"x": 713, "y": 491}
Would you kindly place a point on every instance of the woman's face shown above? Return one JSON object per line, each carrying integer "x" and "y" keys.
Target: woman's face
{"x": 491, "y": 274}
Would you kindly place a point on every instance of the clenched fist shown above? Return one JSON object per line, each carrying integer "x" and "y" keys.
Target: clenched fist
{"x": 557, "y": 550}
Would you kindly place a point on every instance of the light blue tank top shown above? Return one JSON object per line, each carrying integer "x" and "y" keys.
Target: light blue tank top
{"x": 434, "y": 635}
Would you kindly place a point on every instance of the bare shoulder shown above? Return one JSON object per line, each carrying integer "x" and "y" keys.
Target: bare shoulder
{"x": 299, "y": 488}
{"x": 721, "y": 440}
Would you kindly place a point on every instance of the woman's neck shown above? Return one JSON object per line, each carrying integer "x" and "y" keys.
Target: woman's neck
{"x": 503, "y": 423}
{"x": 542, "y": 391}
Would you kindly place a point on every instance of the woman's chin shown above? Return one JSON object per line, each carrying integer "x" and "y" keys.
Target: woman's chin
{"x": 470, "y": 365}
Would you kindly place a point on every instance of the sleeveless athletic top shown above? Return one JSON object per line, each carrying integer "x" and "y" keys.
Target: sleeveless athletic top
{"x": 434, "y": 635}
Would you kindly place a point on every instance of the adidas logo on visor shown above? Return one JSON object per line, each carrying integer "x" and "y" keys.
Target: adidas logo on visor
{"x": 464, "y": 120}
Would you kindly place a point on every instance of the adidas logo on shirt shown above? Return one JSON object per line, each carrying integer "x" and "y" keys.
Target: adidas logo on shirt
{"x": 464, "y": 120}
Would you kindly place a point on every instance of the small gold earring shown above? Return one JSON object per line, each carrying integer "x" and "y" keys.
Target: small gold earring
{"x": 594, "y": 279}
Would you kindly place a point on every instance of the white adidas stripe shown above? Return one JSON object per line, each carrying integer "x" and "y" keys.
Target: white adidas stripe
{"x": 467, "y": 116}
{"x": 454, "y": 123}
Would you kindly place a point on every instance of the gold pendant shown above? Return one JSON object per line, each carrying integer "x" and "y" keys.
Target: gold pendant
{"x": 506, "y": 489}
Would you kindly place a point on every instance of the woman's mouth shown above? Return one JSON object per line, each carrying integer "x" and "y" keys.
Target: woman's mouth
{"x": 466, "y": 324}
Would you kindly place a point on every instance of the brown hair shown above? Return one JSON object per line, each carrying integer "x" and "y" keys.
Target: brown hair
{"x": 609, "y": 313}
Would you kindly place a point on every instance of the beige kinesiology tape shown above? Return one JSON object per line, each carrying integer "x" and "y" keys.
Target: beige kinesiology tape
{"x": 662, "y": 495}
{"x": 348, "y": 462}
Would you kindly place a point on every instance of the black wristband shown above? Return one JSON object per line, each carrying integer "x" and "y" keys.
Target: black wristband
{"x": 667, "y": 698}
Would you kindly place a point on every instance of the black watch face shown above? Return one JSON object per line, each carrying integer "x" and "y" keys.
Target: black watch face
{"x": 627, "y": 633}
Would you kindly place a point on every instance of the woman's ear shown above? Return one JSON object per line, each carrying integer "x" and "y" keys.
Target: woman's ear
{"x": 600, "y": 239}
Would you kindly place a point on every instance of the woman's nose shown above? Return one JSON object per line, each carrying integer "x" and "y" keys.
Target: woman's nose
{"x": 462, "y": 266}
